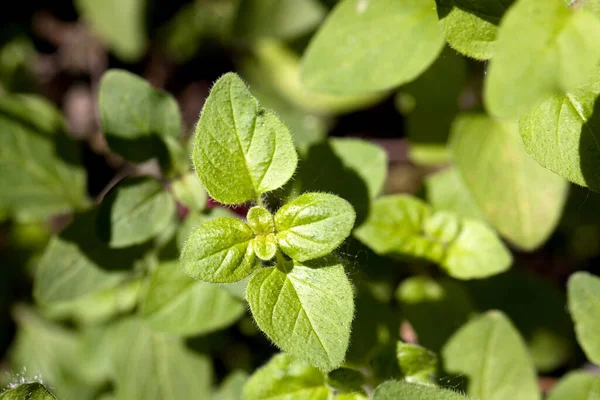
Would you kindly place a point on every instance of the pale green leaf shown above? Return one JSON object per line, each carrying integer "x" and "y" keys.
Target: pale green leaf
{"x": 232, "y": 386}
{"x": 396, "y": 390}
{"x": 220, "y": 251}
{"x": 41, "y": 174}
{"x": 260, "y": 220}
{"x": 154, "y": 366}
{"x": 578, "y": 385}
{"x": 357, "y": 49}
{"x": 584, "y": 305}
{"x": 134, "y": 212}
{"x": 313, "y": 225}
{"x": 562, "y": 134}
{"x": 490, "y": 353}
{"x": 285, "y": 378}
{"x": 189, "y": 191}
{"x": 307, "y": 312}
{"x": 265, "y": 246}
{"x": 523, "y": 200}
{"x": 27, "y": 391}
{"x": 471, "y": 26}
{"x": 543, "y": 48}
{"x": 174, "y": 302}
{"x": 446, "y": 191}
{"x": 241, "y": 149}
{"x": 134, "y": 116}
{"x": 417, "y": 364}
{"x": 194, "y": 219}
{"x": 120, "y": 24}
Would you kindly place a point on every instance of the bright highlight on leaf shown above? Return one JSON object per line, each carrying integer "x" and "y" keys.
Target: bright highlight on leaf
{"x": 241, "y": 149}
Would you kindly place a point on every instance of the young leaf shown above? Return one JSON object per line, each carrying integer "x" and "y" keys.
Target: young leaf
{"x": 28, "y": 391}
{"x": 260, "y": 220}
{"x": 446, "y": 191}
{"x": 313, "y": 225}
{"x": 492, "y": 355}
{"x": 417, "y": 364}
{"x": 395, "y": 390}
{"x": 188, "y": 190}
{"x": 241, "y": 149}
{"x": 119, "y": 23}
{"x": 176, "y": 303}
{"x": 584, "y": 305}
{"x": 356, "y": 49}
{"x": 471, "y": 26}
{"x": 543, "y": 48}
{"x": 561, "y": 134}
{"x": 578, "y": 385}
{"x": 265, "y": 246}
{"x": 220, "y": 251}
{"x": 134, "y": 212}
{"x": 520, "y": 198}
{"x": 153, "y": 366}
{"x": 134, "y": 116}
{"x": 307, "y": 311}
{"x": 284, "y": 377}
{"x": 41, "y": 174}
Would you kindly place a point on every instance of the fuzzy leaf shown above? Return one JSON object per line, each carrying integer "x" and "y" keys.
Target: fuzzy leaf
{"x": 241, "y": 149}
{"x": 307, "y": 312}
{"x": 584, "y": 305}
{"x": 543, "y": 48}
{"x": 313, "y": 225}
{"x": 394, "y": 390}
{"x": 27, "y": 391}
{"x": 356, "y": 49}
{"x": 176, "y": 303}
{"x": 220, "y": 251}
{"x": 492, "y": 355}
{"x": 523, "y": 200}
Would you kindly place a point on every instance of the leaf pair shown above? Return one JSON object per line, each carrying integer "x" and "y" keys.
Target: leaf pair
{"x": 228, "y": 250}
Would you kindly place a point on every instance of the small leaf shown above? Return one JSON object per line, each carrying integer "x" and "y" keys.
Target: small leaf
{"x": 194, "y": 219}
{"x": 346, "y": 380}
{"x": 265, "y": 246}
{"x": 260, "y": 220}
{"x": 578, "y": 385}
{"x": 220, "y": 251}
{"x": 27, "y": 391}
{"x": 543, "y": 48}
{"x": 492, "y": 355}
{"x": 446, "y": 191}
{"x": 417, "y": 364}
{"x": 520, "y": 198}
{"x": 284, "y": 377}
{"x": 307, "y": 312}
{"x": 176, "y": 303}
{"x": 584, "y": 305}
{"x": 232, "y": 386}
{"x": 471, "y": 26}
{"x": 134, "y": 212}
{"x": 135, "y": 117}
{"x": 395, "y": 390}
{"x": 241, "y": 149}
{"x": 313, "y": 225}
{"x": 189, "y": 191}
{"x": 561, "y": 134}
{"x": 119, "y": 23}
{"x": 356, "y": 49}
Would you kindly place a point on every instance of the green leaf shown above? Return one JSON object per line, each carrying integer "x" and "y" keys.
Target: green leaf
{"x": 561, "y": 134}
{"x": 417, "y": 364}
{"x": 189, "y": 191}
{"x": 41, "y": 174}
{"x": 176, "y": 303}
{"x": 313, "y": 225}
{"x": 520, "y": 198}
{"x": 27, "y": 391}
{"x": 220, "y": 251}
{"x": 578, "y": 385}
{"x": 119, "y": 23}
{"x": 584, "y": 305}
{"x": 194, "y": 219}
{"x": 395, "y": 390}
{"x": 134, "y": 212}
{"x": 241, "y": 149}
{"x": 35, "y": 111}
{"x": 232, "y": 386}
{"x": 346, "y": 380}
{"x": 153, "y": 366}
{"x": 260, "y": 220}
{"x": 471, "y": 26}
{"x": 492, "y": 355}
{"x": 543, "y": 48}
{"x": 307, "y": 312}
{"x": 285, "y": 19}
{"x": 446, "y": 191}
{"x": 136, "y": 118}
{"x": 284, "y": 377}
{"x": 356, "y": 49}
